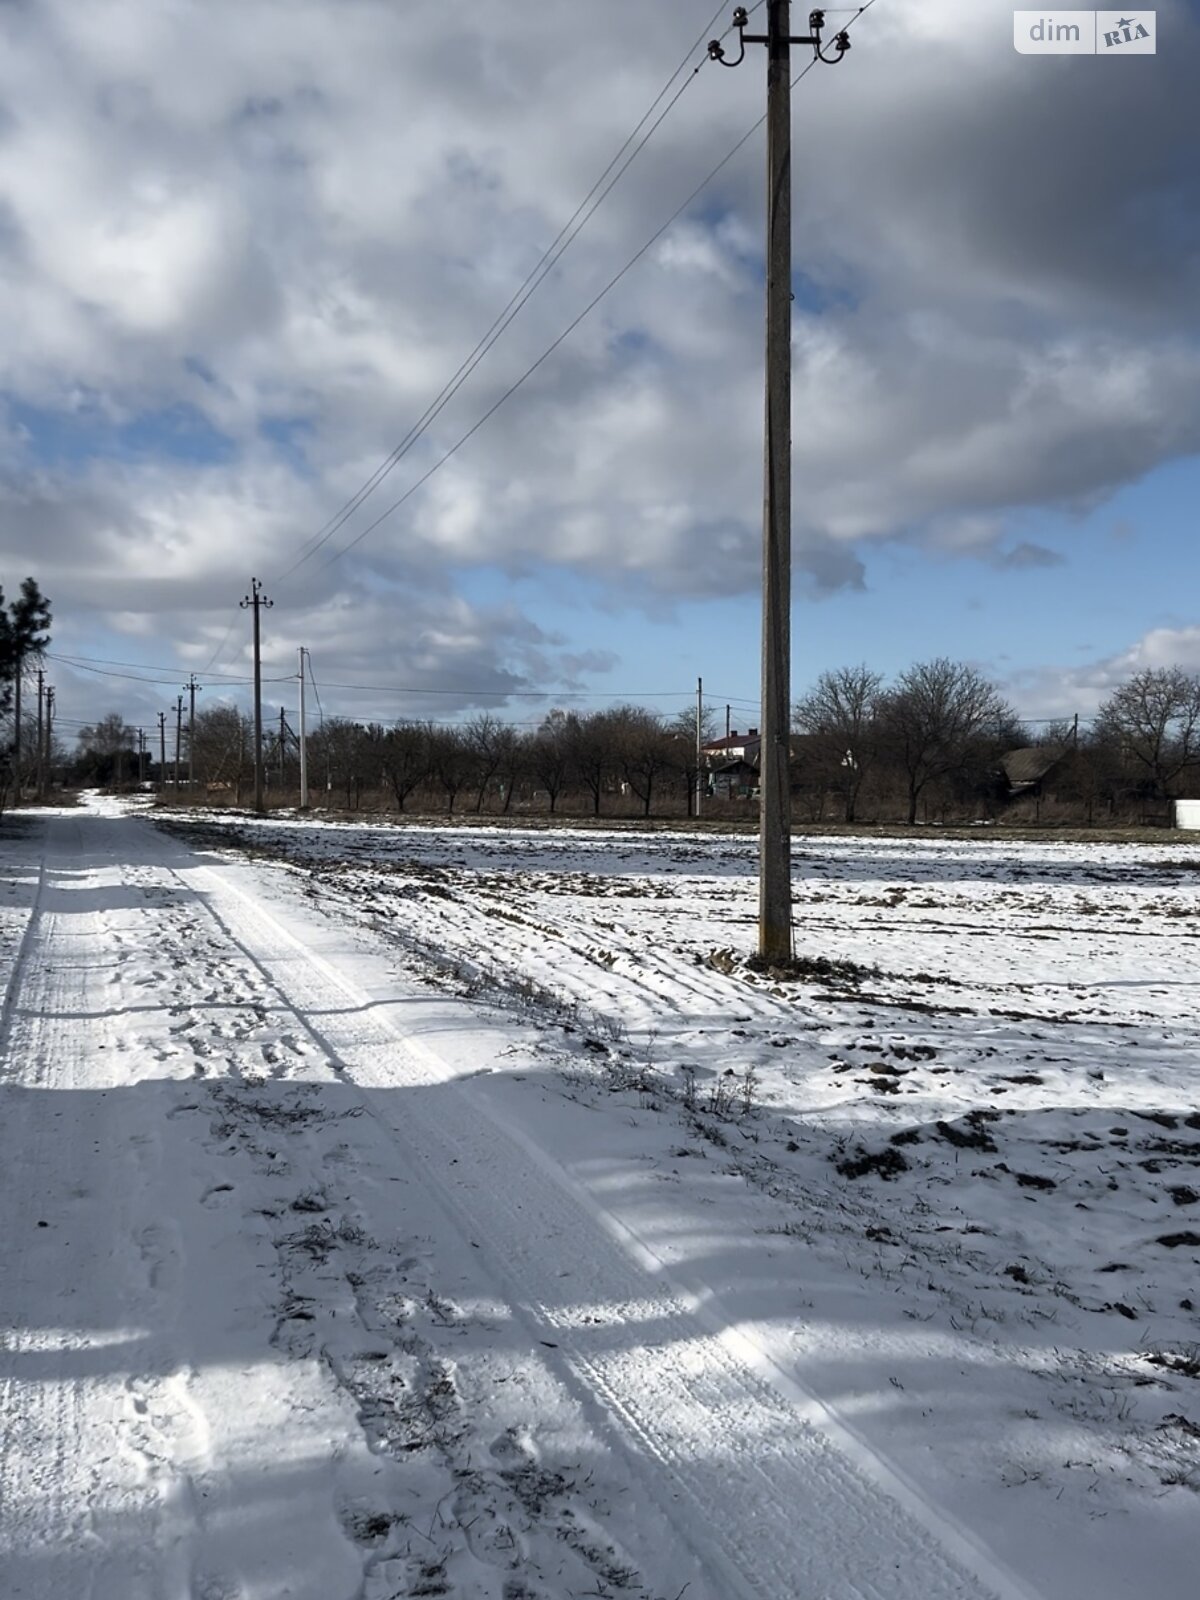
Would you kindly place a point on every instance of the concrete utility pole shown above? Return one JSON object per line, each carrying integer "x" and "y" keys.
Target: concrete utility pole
{"x": 303, "y": 739}
{"x": 193, "y": 689}
{"x": 255, "y": 601}
{"x": 162, "y": 748}
{"x": 41, "y": 781}
{"x": 20, "y": 770}
{"x": 775, "y": 819}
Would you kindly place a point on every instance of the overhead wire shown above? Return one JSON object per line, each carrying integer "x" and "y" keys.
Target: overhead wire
{"x": 481, "y": 350}
{"x": 207, "y": 671}
{"x": 168, "y": 677}
{"x": 315, "y": 690}
{"x": 571, "y": 326}
{"x": 101, "y": 665}
{"x": 570, "y": 231}
{"x": 144, "y": 666}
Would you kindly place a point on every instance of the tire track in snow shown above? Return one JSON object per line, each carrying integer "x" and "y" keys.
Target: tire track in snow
{"x": 21, "y": 954}
{"x": 732, "y": 1432}
{"x": 151, "y": 1449}
{"x": 75, "y": 1453}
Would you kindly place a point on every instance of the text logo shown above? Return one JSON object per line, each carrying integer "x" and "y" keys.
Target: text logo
{"x": 1084, "y": 33}
{"x": 1127, "y": 33}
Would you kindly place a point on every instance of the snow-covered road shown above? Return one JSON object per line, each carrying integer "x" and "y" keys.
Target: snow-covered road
{"x": 299, "y": 1302}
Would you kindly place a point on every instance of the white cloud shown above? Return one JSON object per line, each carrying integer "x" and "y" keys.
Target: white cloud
{"x": 1062, "y": 691}
{"x": 312, "y": 210}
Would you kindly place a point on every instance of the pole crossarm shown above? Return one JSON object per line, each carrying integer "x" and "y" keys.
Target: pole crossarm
{"x": 255, "y": 601}
{"x": 816, "y": 21}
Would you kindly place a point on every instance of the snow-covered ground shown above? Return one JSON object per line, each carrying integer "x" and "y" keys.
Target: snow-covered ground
{"x": 413, "y": 1211}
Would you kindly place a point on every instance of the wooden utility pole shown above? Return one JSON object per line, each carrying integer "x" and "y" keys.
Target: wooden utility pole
{"x": 193, "y": 689}
{"x": 178, "y": 738}
{"x": 775, "y": 804}
{"x": 49, "y": 747}
{"x": 282, "y": 743}
{"x": 699, "y": 742}
{"x": 775, "y": 821}
{"x": 303, "y": 740}
{"x": 162, "y": 748}
{"x": 141, "y": 756}
{"x": 255, "y": 601}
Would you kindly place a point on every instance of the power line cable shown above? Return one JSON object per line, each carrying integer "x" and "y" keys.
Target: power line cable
{"x": 164, "y": 682}
{"x": 145, "y": 666}
{"x": 569, "y": 329}
{"x": 315, "y": 690}
{"x": 521, "y": 694}
{"x": 99, "y": 663}
{"x": 566, "y": 236}
{"x": 207, "y": 672}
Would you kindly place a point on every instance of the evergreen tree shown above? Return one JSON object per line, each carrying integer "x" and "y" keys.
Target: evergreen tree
{"x": 27, "y": 624}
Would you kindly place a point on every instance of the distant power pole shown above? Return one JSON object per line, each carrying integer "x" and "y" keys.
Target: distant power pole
{"x": 775, "y": 819}
{"x": 255, "y": 601}
{"x": 18, "y": 739}
{"x": 282, "y": 746}
{"x": 303, "y": 739}
{"x": 178, "y": 738}
{"x": 699, "y": 742}
{"x": 141, "y": 756}
{"x": 49, "y": 730}
{"x": 193, "y": 689}
{"x": 41, "y": 770}
{"x": 162, "y": 748}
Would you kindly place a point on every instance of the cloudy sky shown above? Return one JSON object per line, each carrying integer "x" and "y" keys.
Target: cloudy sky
{"x": 246, "y": 243}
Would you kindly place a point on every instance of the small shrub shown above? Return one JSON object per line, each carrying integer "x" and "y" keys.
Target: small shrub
{"x": 884, "y": 1164}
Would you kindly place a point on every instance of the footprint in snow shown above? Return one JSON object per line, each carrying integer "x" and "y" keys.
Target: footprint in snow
{"x": 214, "y": 1586}
{"x": 510, "y": 1447}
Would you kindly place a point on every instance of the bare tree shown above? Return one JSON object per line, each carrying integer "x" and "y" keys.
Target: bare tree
{"x": 107, "y": 751}
{"x": 222, "y": 747}
{"x": 485, "y": 738}
{"x": 934, "y": 720}
{"x": 840, "y": 714}
{"x": 550, "y": 756}
{"x": 452, "y": 762}
{"x": 643, "y": 748}
{"x": 347, "y": 755}
{"x": 405, "y": 759}
{"x": 512, "y": 761}
{"x": 590, "y": 745}
{"x": 1155, "y": 718}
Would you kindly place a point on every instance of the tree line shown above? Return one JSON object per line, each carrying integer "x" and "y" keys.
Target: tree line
{"x": 932, "y": 745}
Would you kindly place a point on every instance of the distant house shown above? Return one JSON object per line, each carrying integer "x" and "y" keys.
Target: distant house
{"x": 1026, "y": 771}
{"x": 734, "y": 746}
{"x": 734, "y": 780}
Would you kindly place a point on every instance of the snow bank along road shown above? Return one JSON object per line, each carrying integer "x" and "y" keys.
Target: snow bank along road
{"x": 322, "y": 1281}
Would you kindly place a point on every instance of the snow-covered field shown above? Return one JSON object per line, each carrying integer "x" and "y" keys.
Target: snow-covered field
{"x": 408, "y": 1211}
